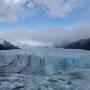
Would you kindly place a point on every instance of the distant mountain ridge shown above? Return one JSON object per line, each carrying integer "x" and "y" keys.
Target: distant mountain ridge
{"x": 80, "y": 44}
{"x": 5, "y": 45}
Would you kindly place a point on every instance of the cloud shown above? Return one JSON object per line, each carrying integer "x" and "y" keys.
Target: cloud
{"x": 19, "y": 33}
{"x": 58, "y": 8}
{"x": 81, "y": 31}
{"x": 5, "y": 14}
{"x": 15, "y": 9}
{"x": 48, "y": 35}
{"x": 7, "y": 17}
{"x": 13, "y": 1}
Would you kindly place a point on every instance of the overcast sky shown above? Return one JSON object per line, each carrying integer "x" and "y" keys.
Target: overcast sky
{"x": 44, "y": 20}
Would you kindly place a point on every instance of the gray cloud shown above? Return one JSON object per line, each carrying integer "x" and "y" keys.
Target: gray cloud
{"x": 15, "y": 34}
{"x": 79, "y": 31}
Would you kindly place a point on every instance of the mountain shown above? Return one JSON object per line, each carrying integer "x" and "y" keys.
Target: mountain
{"x": 4, "y": 45}
{"x": 81, "y": 44}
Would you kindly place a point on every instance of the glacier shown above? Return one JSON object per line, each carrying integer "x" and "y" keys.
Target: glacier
{"x": 43, "y": 60}
{"x": 44, "y": 69}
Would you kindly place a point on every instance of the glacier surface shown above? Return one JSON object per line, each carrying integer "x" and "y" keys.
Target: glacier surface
{"x": 43, "y": 60}
{"x": 44, "y": 69}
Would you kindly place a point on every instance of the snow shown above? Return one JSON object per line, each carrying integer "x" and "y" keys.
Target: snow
{"x": 2, "y": 41}
{"x": 29, "y": 43}
{"x": 45, "y": 69}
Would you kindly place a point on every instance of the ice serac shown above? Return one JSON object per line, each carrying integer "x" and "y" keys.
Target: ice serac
{"x": 17, "y": 61}
{"x": 58, "y": 64}
{"x": 21, "y": 63}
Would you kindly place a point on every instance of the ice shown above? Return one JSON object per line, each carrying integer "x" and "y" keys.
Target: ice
{"x": 44, "y": 69}
{"x": 43, "y": 60}
{"x": 50, "y": 82}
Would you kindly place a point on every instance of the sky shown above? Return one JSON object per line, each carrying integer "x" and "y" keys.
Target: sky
{"x": 44, "y": 20}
